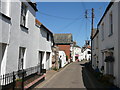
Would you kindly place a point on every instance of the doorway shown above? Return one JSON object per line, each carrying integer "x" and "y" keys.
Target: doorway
{"x": 41, "y": 66}
{"x": 21, "y": 58}
{"x": 47, "y": 60}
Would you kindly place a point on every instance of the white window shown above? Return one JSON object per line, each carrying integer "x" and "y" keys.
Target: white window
{"x": 23, "y": 14}
{"x": 111, "y": 24}
{"x": 102, "y": 32}
{"x": 21, "y": 58}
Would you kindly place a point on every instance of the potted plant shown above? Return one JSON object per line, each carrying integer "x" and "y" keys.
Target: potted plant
{"x": 102, "y": 68}
{"x": 66, "y": 58}
{"x": 55, "y": 68}
{"x": 107, "y": 79}
{"x": 18, "y": 83}
{"x": 109, "y": 59}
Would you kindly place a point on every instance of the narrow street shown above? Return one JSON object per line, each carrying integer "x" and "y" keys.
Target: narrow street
{"x": 69, "y": 77}
{"x": 59, "y": 44}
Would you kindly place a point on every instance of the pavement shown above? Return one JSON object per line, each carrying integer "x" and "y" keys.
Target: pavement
{"x": 49, "y": 75}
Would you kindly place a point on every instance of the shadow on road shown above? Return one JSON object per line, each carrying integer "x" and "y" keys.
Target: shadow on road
{"x": 88, "y": 79}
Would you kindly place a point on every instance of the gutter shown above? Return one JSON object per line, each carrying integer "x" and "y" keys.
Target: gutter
{"x": 95, "y": 34}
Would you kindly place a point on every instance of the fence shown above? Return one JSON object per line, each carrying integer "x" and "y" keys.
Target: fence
{"x": 10, "y": 79}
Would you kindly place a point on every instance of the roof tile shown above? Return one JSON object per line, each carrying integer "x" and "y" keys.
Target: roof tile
{"x": 64, "y": 38}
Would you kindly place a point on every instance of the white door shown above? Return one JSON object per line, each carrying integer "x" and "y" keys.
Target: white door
{"x": 47, "y": 60}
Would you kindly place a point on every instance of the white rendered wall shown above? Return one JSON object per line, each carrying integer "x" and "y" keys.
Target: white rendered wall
{"x": 111, "y": 41}
{"x": 63, "y": 58}
{"x": 76, "y": 51}
{"x": 86, "y": 55}
{"x": 20, "y": 37}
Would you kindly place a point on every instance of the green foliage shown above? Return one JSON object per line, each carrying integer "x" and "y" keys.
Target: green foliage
{"x": 66, "y": 57}
{"x": 107, "y": 79}
{"x": 55, "y": 68}
{"x": 109, "y": 59}
{"x": 19, "y": 80}
{"x": 98, "y": 75}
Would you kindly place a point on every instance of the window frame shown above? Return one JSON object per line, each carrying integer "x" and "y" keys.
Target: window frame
{"x": 23, "y": 17}
{"x": 110, "y": 23}
{"x": 48, "y": 37}
{"x": 102, "y": 33}
{"x": 88, "y": 52}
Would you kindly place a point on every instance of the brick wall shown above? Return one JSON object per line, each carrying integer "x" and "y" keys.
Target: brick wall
{"x": 66, "y": 49}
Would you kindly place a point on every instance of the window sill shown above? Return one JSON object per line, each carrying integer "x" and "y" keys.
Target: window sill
{"x": 5, "y": 16}
{"x": 24, "y": 27}
{"x": 110, "y": 34}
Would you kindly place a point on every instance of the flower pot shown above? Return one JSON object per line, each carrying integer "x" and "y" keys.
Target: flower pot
{"x": 18, "y": 84}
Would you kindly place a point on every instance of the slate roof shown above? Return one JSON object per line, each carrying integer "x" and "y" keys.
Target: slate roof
{"x": 40, "y": 24}
{"x": 64, "y": 38}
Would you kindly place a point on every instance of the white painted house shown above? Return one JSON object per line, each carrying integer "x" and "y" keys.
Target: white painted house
{"x": 45, "y": 39}
{"x": 23, "y": 43}
{"x": 76, "y": 53}
{"x": 109, "y": 42}
{"x": 86, "y": 54}
{"x": 95, "y": 49}
{"x": 62, "y": 59}
{"x": 17, "y": 37}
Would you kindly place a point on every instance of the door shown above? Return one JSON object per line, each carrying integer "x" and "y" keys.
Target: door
{"x": 21, "y": 58}
{"x": 47, "y": 60}
{"x": 41, "y": 54}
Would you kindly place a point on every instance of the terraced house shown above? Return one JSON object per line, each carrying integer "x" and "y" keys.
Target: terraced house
{"x": 45, "y": 39}
{"x": 95, "y": 48}
{"x": 25, "y": 44}
{"x": 17, "y": 34}
{"x": 108, "y": 36}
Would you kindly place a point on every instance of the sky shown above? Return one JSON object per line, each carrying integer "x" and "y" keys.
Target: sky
{"x": 69, "y": 17}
